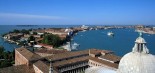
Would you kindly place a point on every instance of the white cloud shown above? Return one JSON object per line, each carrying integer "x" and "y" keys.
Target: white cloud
{"x": 14, "y": 15}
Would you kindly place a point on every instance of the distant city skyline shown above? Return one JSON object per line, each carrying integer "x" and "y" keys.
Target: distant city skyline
{"x": 77, "y": 12}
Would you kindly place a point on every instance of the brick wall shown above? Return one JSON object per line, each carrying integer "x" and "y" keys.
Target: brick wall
{"x": 20, "y": 59}
{"x": 36, "y": 69}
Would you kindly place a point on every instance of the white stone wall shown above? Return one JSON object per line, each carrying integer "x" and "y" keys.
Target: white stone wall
{"x": 96, "y": 64}
{"x": 36, "y": 69}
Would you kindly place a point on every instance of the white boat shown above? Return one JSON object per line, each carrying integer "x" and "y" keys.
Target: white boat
{"x": 110, "y": 34}
{"x": 91, "y": 29}
{"x": 75, "y": 46}
{"x": 70, "y": 46}
{"x": 67, "y": 46}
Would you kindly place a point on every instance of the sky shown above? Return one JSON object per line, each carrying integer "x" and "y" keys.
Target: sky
{"x": 77, "y": 12}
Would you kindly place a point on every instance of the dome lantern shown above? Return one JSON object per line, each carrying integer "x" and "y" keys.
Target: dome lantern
{"x": 140, "y": 45}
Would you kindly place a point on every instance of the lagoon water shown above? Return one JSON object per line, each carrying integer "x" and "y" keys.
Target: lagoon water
{"x": 121, "y": 43}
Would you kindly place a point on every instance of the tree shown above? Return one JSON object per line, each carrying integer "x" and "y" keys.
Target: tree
{"x": 4, "y": 34}
{"x": 41, "y": 36}
{"x": 16, "y": 31}
{"x": 8, "y": 57}
{"x": 1, "y": 49}
{"x": 5, "y": 64}
{"x": 31, "y": 38}
{"x": 5, "y": 55}
{"x": 25, "y": 31}
{"x": 15, "y": 38}
{"x": 35, "y": 33}
{"x": 51, "y": 39}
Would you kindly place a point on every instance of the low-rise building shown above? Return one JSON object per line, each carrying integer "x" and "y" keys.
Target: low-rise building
{"x": 45, "y": 52}
{"x": 25, "y": 57}
{"x": 65, "y": 62}
{"x": 46, "y": 46}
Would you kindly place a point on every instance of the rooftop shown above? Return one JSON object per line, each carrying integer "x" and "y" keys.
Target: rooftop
{"x": 70, "y": 61}
{"x": 42, "y": 66}
{"x": 104, "y": 62}
{"x": 111, "y": 57}
{"x": 97, "y": 51}
{"x": 66, "y": 55}
{"x": 17, "y": 69}
{"x": 61, "y": 58}
{"x": 76, "y": 53}
{"x": 28, "y": 54}
{"x": 45, "y": 45}
{"x": 51, "y": 51}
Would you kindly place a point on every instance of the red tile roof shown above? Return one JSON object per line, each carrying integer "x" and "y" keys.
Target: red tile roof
{"x": 28, "y": 54}
{"x": 17, "y": 69}
{"x": 111, "y": 57}
{"x": 114, "y": 65}
{"x": 42, "y": 66}
{"x": 51, "y": 51}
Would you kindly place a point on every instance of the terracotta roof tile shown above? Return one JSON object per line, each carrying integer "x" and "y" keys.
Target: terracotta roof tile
{"x": 70, "y": 61}
{"x": 51, "y": 51}
{"x": 97, "y": 51}
{"x": 17, "y": 69}
{"x": 28, "y": 54}
{"x": 42, "y": 66}
{"x": 67, "y": 55}
{"x": 76, "y": 53}
{"x": 45, "y": 45}
{"x": 104, "y": 62}
{"x": 111, "y": 57}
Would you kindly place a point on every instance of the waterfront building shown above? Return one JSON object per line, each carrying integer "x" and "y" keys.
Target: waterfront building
{"x": 61, "y": 32}
{"x": 39, "y": 31}
{"x": 84, "y": 27}
{"x": 12, "y": 36}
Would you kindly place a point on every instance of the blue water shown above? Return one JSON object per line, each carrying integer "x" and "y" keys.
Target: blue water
{"x": 121, "y": 43}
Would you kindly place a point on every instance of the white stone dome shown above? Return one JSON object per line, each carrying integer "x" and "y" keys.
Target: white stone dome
{"x": 139, "y": 60}
{"x": 99, "y": 70}
{"x": 137, "y": 63}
